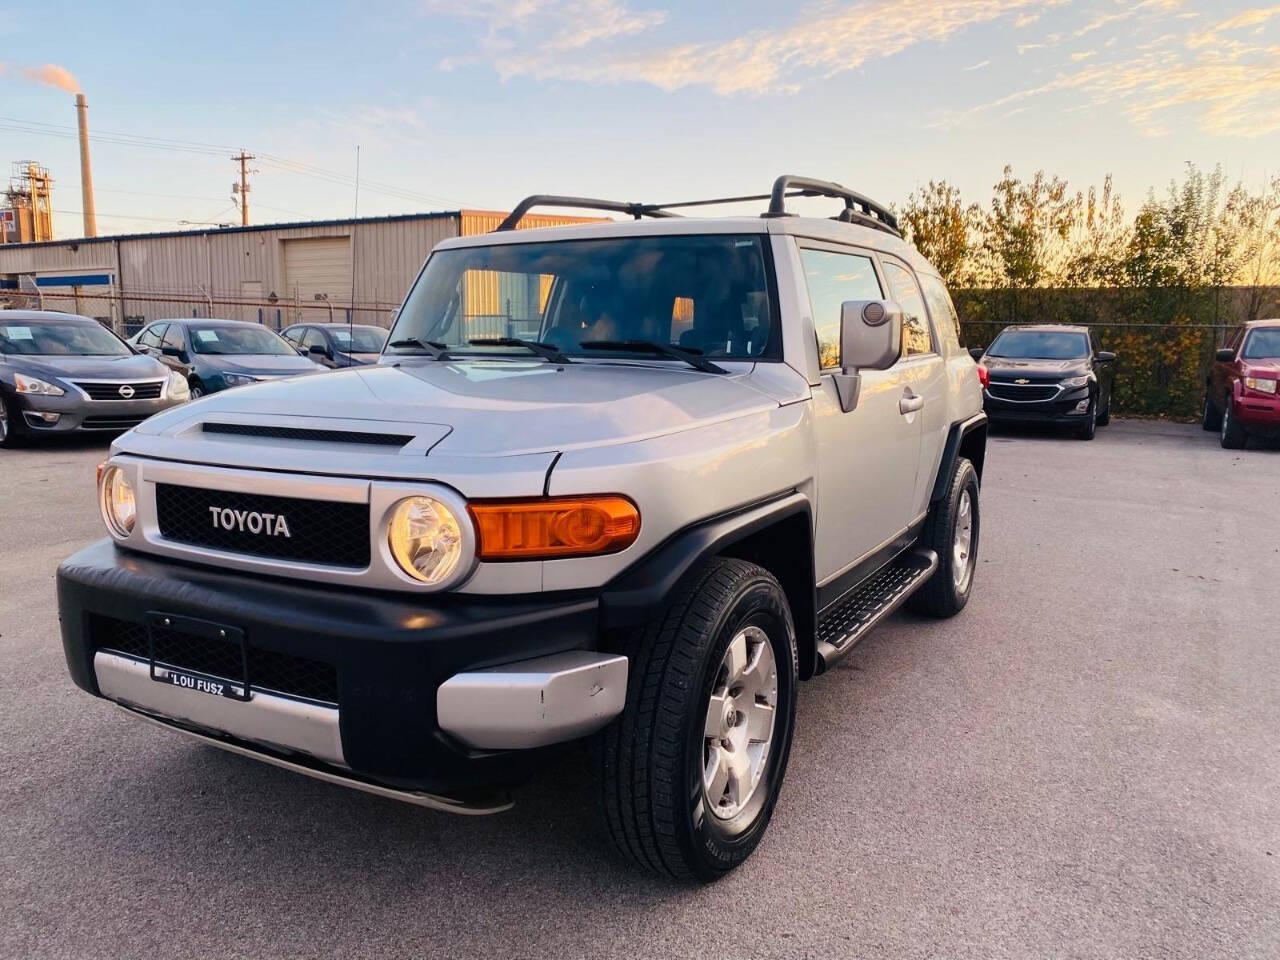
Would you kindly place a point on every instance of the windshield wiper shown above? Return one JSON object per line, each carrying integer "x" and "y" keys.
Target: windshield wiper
{"x": 548, "y": 351}
{"x": 653, "y": 346}
{"x": 437, "y": 351}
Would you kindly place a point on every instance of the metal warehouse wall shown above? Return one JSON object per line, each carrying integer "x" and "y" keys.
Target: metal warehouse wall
{"x": 240, "y": 273}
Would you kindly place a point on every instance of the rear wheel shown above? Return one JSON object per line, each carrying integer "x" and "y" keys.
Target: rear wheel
{"x": 1232, "y": 436}
{"x": 689, "y": 774}
{"x": 1212, "y": 417}
{"x": 951, "y": 531}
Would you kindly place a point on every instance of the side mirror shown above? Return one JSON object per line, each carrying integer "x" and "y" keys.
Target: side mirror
{"x": 171, "y": 352}
{"x": 870, "y": 339}
{"x": 319, "y": 350}
{"x": 1225, "y": 355}
{"x": 977, "y": 352}
{"x": 1106, "y": 356}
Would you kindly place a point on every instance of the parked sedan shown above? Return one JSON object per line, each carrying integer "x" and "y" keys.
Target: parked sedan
{"x": 61, "y": 373}
{"x": 223, "y": 353}
{"x": 1241, "y": 397}
{"x": 1048, "y": 374}
{"x": 337, "y": 344}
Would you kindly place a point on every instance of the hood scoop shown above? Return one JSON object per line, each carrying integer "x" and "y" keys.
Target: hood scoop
{"x": 308, "y": 434}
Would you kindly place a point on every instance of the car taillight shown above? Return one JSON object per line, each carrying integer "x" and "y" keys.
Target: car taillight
{"x": 555, "y": 527}
{"x": 984, "y": 376}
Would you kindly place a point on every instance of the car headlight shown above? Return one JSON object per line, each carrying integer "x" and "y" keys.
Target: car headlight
{"x": 24, "y": 384}
{"x": 177, "y": 387}
{"x": 115, "y": 497}
{"x": 1260, "y": 384}
{"x": 238, "y": 379}
{"x": 1076, "y": 382}
{"x": 425, "y": 539}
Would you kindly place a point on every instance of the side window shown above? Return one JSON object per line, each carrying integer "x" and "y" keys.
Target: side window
{"x": 313, "y": 338}
{"x": 173, "y": 336}
{"x": 915, "y": 325}
{"x": 834, "y": 278}
{"x": 943, "y": 311}
{"x": 150, "y": 337}
{"x": 293, "y": 334}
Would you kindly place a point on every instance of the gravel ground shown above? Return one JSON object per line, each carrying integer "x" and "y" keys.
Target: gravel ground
{"x": 1085, "y": 763}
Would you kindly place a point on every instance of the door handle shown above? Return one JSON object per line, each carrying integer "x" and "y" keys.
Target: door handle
{"x": 910, "y": 403}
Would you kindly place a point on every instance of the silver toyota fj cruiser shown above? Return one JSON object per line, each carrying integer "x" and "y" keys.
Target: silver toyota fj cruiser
{"x": 625, "y": 481}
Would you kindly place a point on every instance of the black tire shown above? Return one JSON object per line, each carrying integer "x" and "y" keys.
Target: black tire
{"x": 945, "y": 594}
{"x": 1090, "y": 428}
{"x": 1212, "y": 417}
{"x": 1104, "y": 415}
{"x": 649, "y": 762}
{"x": 10, "y": 435}
{"x": 1231, "y": 435}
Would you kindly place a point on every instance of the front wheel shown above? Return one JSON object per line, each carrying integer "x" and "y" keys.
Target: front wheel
{"x": 8, "y": 429}
{"x": 1232, "y": 436}
{"x": 951, "y": 531}
{"x": 196, "y": 389}
{"x": 1090, "y": 428}
{"x": 689, "y": 774}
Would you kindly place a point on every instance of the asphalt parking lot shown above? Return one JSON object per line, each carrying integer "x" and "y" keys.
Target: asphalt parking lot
{"x": 1085, "y": 763}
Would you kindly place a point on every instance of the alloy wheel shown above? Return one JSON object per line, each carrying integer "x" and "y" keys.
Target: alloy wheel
{"x": 962, "y": 543}
{"x": 4, "y": 421}
{"x": 740, "y": 723}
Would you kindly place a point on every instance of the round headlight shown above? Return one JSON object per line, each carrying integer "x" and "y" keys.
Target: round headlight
{"x": 425, "y": 539}
{"x": 119, "y": 508}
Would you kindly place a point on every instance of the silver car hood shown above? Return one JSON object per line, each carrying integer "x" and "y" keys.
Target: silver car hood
{"x": 474, "y": 410}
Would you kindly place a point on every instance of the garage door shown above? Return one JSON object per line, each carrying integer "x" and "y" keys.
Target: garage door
{"x": 319, "y": 265}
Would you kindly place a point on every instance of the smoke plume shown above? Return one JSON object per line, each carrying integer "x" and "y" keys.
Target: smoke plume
{"x": 54, "y": 76}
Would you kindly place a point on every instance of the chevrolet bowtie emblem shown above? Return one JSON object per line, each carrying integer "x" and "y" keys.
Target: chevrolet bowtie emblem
{"x": 1022, "y": 380}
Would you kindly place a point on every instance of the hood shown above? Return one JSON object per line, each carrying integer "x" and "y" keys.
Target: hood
{"x": 1266, "y": 366}
{"x": 1033, "y": 369}
{"x": 253, "y": 364}
{"x": 487, "y": 408}
{"x": 131, "y": 367}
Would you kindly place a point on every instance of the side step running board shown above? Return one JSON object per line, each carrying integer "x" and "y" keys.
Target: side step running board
{"x": 853, "y": 617}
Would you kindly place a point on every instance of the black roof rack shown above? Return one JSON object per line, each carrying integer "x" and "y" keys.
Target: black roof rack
{"x": 857, "y": 208}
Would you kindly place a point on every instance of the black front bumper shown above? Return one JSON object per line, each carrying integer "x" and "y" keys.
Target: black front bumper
{"x": 1060, "y": 411}
{"x": 390, "y": 651}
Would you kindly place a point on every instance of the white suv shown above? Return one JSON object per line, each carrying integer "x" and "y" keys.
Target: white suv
{"x": 630, "y": 481}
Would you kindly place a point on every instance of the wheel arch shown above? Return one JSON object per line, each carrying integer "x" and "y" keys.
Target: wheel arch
{"x": 968, "y": 439}
{"x": 776, "y": 534}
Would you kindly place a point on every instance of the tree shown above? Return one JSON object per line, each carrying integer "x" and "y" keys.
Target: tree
{"x": 1257, "y": 217}
{"x": 940, "y": 226}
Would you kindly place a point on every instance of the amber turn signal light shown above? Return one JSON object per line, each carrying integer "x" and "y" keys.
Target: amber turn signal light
{"x": 554, "y": 528}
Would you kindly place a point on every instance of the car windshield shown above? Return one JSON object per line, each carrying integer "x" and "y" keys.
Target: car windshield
{"x": 245, "y": 339}
{"x": 1040, "y": 345}
{"x": 707, "y": 294}
{"x": 1262, "y": 345}
{"x": 359, "y": 339}
{"x": 85, "y": 338}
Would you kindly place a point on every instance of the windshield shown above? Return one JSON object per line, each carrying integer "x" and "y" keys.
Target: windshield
{"x": 1262, "y": 345}
{"x": 359, "y": 339}
{"x": 708, "y": 294}
{"x": 86, "y": 338}
{"x": 1040, "y": 345}
{"x": 239, "y": 340}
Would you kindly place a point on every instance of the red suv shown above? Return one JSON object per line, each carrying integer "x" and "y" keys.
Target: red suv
{"x": 1241, "y": 399}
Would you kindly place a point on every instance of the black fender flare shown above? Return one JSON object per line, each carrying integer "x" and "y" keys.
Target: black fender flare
{"x": 632, "y": 596}
{"x": 969, "y": 435}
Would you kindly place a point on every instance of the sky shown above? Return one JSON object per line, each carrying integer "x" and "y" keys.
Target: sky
{"x": 475, "y": 103}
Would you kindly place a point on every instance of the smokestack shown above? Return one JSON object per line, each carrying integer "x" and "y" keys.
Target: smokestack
{"x": 86, "y": 176}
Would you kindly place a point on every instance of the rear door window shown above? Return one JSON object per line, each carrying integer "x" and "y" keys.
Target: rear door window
{"x": 943, "y": 311}
{"x": 173, "y": 337}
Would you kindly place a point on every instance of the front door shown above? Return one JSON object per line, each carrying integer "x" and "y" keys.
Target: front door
{"x": 868, "y": 457}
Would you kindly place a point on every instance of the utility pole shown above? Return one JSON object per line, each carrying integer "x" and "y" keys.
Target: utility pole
{"x": 241, "y": 189}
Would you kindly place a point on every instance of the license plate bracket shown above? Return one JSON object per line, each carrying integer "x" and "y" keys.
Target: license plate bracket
{"x": 231, "y": 687}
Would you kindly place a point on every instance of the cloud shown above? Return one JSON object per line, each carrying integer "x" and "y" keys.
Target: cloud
{"x": 1249, "y": 18}
{"x": 1134, "y": 10}
{"x": 982, "y": 65}
{"x": 54, "y": 76}
{"x": 530, "y": 37}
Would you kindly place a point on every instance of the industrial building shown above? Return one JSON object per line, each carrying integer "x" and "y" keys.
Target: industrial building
{"x": 277, "y": 274}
